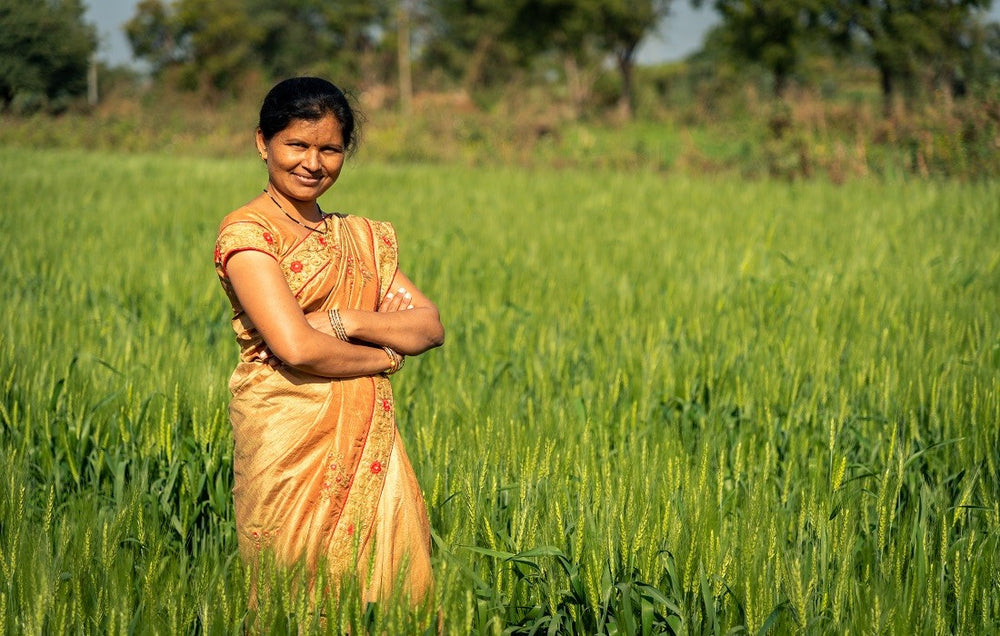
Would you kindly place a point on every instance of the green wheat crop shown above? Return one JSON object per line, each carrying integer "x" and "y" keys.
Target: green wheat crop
{"x": 665, "y": 404}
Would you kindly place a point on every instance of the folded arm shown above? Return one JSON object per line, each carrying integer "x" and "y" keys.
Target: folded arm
{"x": 270, "y": 305}
{"x": 406, "y": 320}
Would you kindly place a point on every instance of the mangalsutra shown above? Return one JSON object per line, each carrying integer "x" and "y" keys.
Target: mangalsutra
{"x": 323, "y": 215}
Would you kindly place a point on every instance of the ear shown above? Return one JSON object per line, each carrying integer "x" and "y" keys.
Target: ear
{"x": 261, "y": 144}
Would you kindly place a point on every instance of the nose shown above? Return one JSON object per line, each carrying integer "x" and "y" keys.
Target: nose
{"x": 311, "y": 161}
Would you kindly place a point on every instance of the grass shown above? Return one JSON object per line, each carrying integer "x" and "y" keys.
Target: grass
{"x": 666, "y": 404}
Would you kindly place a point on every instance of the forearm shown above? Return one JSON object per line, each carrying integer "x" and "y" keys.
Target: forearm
{"x": 410, "y": 332}
{"x": 290, "y": 336}
{"x": 326, "y": 356}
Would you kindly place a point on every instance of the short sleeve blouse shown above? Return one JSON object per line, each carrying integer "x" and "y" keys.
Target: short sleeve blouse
{"x": 242, "y": 234}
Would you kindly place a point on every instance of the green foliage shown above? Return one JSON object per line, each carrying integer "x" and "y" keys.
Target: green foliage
{"x": 772, "y": 33}
{"x": 689, "y": 125}
{"x": 44, "y": 54}
{"x": 666, "y": 405}
{"x": 496, "y": 51}
{"x": 486, "y": 41}
{"x": 216, "y": 46}
{"x": 908, "y": 42}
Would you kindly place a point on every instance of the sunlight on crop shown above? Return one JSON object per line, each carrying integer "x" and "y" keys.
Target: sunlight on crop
{"x": 665, "y": 404}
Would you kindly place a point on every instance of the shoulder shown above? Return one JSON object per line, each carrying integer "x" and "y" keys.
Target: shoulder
{"x": 246, "y": 214}
{"x": 245, "y": 229}
{"x": 377, "y": 229}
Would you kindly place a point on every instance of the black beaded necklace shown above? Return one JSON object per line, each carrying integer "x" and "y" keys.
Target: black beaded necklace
{"x": 323, "y": 215}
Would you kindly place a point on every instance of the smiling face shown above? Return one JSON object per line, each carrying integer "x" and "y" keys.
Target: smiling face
{"x": 304, "y": 159}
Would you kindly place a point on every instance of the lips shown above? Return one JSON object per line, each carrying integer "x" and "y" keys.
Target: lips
{"x": 306, "y": 179}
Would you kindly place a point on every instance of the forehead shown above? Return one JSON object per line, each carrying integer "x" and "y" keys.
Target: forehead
{"x": 323, "y": 130}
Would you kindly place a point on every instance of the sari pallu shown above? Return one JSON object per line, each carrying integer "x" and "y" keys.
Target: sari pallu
{"x": 320, "y": 475}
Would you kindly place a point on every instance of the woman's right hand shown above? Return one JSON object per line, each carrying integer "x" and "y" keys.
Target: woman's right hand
{"x": 320, "y": 321}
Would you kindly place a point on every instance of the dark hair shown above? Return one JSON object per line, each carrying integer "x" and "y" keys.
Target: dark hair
{"x": 309, "y": 98}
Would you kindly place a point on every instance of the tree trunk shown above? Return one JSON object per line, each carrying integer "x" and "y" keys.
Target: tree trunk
{"x": 474, "y": 69}
{"x": 888, "y": 88}
{"x": 780, "y": 84}
{"x": 626, "y": 64}
{"x": 403, "y": 50}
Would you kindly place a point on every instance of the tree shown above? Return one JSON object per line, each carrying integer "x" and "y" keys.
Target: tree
{"x": 343, "y": 39}
{"x": 979, "y": 60}
{"x": 587, "y": 31}
{"x": 475, "y": 41}
{"x": 45, "y": 52}
{"x": 155, "y": 35}
{"x": 211, "y": 44}
{"x": 771, "y": 33}
{"x": 490, "y": 38}
{"x": 214, "y": 44}
{"x": 620, "y": 28}
{"x": 971, "y": 56}
{"x": 901, "y": 37}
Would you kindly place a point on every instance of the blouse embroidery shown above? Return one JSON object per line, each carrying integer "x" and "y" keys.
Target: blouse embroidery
{"x": 241, "y": 236}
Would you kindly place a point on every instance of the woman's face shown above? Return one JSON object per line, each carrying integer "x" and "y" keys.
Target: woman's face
{"x": 304, "y": 159}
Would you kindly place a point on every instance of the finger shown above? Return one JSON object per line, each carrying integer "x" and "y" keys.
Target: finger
{"x": 400, "y": 295}
{"x": 390, "y": 302}
{"x": 394, "y": 300}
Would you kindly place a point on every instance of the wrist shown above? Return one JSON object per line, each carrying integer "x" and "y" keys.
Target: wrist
{"x": 395, "y": 361}
{"x": 337, "y": 324}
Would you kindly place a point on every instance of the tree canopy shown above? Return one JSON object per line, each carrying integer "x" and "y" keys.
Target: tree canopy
{"x": 907, "y": 40}
{"x": 484, "y": 45}
{"x": 477, "y": 43}
{"x": 913, "y": 44}
{"x": 45, "y": 51}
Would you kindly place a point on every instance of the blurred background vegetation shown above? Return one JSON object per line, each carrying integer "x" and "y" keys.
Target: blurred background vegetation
{"x": 790, "y": 89}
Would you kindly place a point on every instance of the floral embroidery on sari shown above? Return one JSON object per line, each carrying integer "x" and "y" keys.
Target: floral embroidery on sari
{"x": 304, "y": 262}
{"x": 359, "y": 509}
{"x": 386, "y": 254}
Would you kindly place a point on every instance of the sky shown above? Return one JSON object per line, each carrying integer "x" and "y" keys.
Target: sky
{"x": 681, "y": 35}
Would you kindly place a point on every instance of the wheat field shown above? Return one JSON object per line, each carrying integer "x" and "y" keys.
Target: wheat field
{"x": 665, "y": 405}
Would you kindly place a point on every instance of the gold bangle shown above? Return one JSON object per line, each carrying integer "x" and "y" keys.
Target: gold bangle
{"x": 337, "y": 324}
{"x": 395, "y": 361}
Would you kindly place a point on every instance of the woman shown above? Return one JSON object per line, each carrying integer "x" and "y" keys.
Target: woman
{"x": 322, "y": 315}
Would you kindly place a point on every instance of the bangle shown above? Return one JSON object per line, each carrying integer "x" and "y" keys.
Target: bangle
{"x": 395, "y": 361}
{"x": 337, "y": 324}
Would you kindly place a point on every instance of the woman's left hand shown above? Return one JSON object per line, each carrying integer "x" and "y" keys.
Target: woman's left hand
{"x": 398, "y": 300}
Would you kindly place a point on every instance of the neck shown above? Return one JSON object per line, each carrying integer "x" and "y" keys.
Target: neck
{"x": 302, "y": 211}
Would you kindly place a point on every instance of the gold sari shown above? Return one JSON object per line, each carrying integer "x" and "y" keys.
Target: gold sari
{"x": 321, "y": 477}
